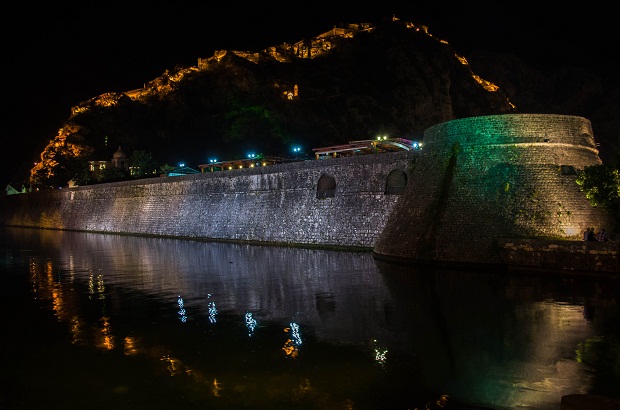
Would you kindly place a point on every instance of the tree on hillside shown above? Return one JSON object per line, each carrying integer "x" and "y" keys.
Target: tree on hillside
{"x": 142, "y": 164}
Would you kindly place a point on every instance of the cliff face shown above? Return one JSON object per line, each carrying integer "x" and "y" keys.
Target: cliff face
{"x": 353, "y": 82}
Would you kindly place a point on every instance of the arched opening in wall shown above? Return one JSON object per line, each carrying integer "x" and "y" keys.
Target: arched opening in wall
{"x": 326, "y": 187}
{"x": 396, "y": 182}
{"x": 568, "y": 170}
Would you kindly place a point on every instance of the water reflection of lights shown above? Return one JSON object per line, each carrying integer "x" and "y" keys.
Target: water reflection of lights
{"x": 290, "y": 349}
{"x": 295, "y": 333}
{"x": 302, "y": 390}
{"x": 130, "y": 347}
{"x": 76, "y": 330}
{"x": 250, "y": 323}
{"x": 291, "y": 346}
{"x": 216, "y": 388}
{"x": 106, "y": 341}
{"x": 91, "y": 285}
{"x": 380, "y": 353}
{"x": 100, "y": 288}
{"x": 175, "y": 366}
{"x": 181, "y": 312}
{"x": 212, "y": 311}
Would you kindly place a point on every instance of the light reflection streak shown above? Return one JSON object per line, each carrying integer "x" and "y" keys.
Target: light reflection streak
{"x": 130, "y": 348}
{"x": 106, "y": 341}
{"x": 380, "y": 353}
{"x": 295, "y": 335}
{"x": 212, "y": 310}
{"x": 91, "y": 285}
{"x": 181, "y": 312}
{"x": 33, "y": 276}
{"x": 100, "y": 287}
{"x": 217, "y": 386}
{"x": 175, "y": 366}
{"x": 76, "y": 330}
{"x": 291, "y": 346}
{"x": 250, "y": 323}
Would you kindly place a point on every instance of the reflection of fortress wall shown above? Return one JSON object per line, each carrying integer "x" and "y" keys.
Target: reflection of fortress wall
{"x": 272, "y": 204}
{"x": 279, "y": 285}
{"x": 501, "y": 176}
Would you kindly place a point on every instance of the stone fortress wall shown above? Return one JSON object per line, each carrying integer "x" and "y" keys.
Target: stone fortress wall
{"x": 276, "y": 204}
{"x": 482, "y": 190}
{"x": 502, "y": 176}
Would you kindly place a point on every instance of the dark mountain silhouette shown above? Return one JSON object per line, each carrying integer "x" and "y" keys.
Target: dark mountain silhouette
{"x": 354, "y": 82}
{"x": 563, "y": 90}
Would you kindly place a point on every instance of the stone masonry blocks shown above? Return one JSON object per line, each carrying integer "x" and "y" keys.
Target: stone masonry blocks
{"x": 489, "y": 177}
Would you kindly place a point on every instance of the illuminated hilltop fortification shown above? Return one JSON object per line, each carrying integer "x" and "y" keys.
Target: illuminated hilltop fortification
{"x": 284, "y": 53}
{"x": 490, "y": 177}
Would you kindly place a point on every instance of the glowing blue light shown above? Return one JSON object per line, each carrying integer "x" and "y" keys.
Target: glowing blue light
{"x": 181, "y": 164}
{"x": 212, "y": 312}
{"x": 250, "y": 323}
{"x": 213, "y": 160}
{"x": 181, "y": 312}
{"x": 251, "y": 155}
{"x": 295, "y": 335}
{"x": 296, "y": 149}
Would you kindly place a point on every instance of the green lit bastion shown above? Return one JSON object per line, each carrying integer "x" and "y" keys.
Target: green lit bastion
{"x": 492, "y": 190}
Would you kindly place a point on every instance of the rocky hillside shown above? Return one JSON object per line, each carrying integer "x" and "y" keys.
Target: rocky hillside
{"x": 353, "y": 82}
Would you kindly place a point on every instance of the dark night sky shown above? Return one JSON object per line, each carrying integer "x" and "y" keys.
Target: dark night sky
{"x": 59, "y": 54}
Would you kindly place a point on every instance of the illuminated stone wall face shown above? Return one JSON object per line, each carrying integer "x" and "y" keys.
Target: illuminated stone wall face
{"x": 485, "y": 178}
{"x": 273, "y": 204}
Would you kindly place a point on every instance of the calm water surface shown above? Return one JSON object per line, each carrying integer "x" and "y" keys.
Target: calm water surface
{"x": 117, "y": 322}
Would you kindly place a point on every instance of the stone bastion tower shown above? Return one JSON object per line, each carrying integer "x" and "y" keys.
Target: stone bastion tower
{"x": 483, "y": 181}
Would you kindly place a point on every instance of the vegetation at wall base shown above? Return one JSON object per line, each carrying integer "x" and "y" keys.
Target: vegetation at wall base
{"x": 601, "y": 185}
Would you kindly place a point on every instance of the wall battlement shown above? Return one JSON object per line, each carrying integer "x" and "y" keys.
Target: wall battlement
{"x": 477, "y": 180}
